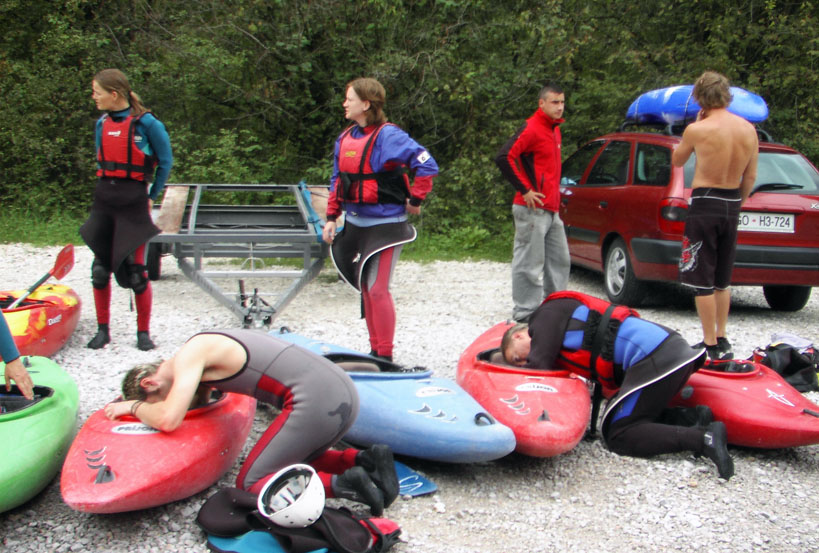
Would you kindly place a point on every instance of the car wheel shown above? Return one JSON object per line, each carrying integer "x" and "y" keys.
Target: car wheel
{"x": 787, "y": 298}
{"x": 153, "y": 261}
{"x": 622, "y": 287}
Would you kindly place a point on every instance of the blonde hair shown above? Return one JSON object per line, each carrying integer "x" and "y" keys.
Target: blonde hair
{"x": 372, "y": 91}
{"x": 131, "y": 388}
{"x": 712, "y": 90}
{"x": 112, "y": 80}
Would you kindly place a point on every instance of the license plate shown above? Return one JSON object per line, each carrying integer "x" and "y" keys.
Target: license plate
{"x": 767, "y": 222}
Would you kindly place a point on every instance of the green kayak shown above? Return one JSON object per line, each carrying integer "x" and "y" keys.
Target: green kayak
{"x": 35, "y": 435}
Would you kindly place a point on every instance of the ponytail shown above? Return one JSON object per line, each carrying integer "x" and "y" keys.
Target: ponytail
{"x": 115, "y": 80}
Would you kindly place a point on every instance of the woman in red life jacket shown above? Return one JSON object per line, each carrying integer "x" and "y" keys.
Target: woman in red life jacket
{"x": 374, "y": 164}
{"x": 134, "y": 159}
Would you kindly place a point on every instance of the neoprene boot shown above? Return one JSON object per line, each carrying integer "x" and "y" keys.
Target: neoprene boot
{"x": 380, "y": 466}
{"x": 355, "y": 484}
{"x": 374, "y": 353}
{"x": 715, "y": 448}
{"x": 725, "y": 349}
{"x": 101, "y": 338}
{"x": 144, "y": 341}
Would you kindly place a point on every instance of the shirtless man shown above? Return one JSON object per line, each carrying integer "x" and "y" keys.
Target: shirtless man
{"x": 318, "y": 404}
{"x": 727, "y": 149}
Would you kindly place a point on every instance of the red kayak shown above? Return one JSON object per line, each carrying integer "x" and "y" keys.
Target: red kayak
{"x": 44, "y": 321}
{"x": 124, "y": 465}
{"x": 548, "y": 411}
{"x": 758, "y": 407}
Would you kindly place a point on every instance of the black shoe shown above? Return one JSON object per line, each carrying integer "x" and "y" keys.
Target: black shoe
{"x": 380, "y": 465}
{"x": 355, "y": 484}
{"x": 726, "y": 351}
{"x": 144, "y": 341}
{"x": 101, "y": 338}
{"x": 374, "y": 353}
{"x": 704, "y": 416}
{"x": 715, "y": 448}
{"x": 714, "y": 352}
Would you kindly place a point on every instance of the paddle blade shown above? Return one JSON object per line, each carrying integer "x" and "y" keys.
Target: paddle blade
{"x": 64, "y": 263}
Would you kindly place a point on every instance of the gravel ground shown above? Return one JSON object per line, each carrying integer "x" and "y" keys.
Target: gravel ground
{"x": 585, "y": 500}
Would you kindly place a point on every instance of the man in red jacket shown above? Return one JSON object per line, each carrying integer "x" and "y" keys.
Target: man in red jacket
{"x": 530, "y": 161}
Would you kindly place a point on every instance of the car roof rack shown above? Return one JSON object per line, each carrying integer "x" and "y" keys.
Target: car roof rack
{"x": 676, "y": 129}
{"x": 665, "y": 128}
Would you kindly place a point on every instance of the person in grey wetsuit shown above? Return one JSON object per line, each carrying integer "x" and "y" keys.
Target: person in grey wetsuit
{"x": 318, "y": 404}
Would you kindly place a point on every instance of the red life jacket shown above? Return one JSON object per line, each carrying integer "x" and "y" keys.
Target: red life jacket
{"x": 118, "y": 155}
{"x": 358, "y": 182}
{"x": 595, "y": 358}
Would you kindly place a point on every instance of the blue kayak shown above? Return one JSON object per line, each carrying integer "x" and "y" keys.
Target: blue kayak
{"x": 413, "y": 412}
{"x": 676, "y": 104}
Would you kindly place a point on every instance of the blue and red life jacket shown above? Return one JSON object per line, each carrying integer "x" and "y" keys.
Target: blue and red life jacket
{"x": 119, "y": 155}
{"x": 358, "y": 182}
{"x": 595, "y": 358}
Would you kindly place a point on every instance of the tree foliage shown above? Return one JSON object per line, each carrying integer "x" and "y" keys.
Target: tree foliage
{"x": 251, "y": 90}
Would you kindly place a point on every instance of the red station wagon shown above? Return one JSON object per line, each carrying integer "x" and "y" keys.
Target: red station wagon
{"x": 624, "y": 207}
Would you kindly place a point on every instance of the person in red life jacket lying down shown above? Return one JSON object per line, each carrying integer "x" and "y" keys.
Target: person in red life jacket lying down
{"x": 318, "y": 404}
{"x": 639, "y": 365}
{"x": 133, "y": 149}
{"x": 372, "y": 166}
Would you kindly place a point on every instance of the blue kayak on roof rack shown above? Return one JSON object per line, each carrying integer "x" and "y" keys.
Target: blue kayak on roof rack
{"x": 413, "y": 412}
{"x": 676, "y": 104}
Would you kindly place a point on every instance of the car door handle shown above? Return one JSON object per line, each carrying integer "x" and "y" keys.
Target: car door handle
{"x": 603, "y": 204}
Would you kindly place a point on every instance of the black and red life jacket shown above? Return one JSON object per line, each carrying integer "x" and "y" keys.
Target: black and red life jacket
{"x": 118, "y": 155}
{"x": 358, "y": 182}
{"x": 595, "y": 358}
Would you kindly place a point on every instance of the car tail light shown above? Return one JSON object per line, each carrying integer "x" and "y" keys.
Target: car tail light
{"x": 672, "y": 215}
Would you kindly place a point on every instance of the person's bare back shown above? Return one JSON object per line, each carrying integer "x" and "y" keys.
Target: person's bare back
{"x": 727, "y": 148}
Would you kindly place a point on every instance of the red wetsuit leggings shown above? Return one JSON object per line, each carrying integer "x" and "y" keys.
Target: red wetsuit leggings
{"x": 102, "y": 299}
{"x": 379, "y": 309}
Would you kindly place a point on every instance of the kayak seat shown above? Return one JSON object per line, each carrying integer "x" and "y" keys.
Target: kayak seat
{"x": 493, "y": 356}
{"x": 358, "y": 366}
{"x": 14, "y": 400}
{"x": 730, "y": 366}
{"x": 360, "y": 363}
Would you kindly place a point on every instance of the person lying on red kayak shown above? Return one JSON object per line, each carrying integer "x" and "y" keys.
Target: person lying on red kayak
{"x": 14, "y": 367}
{"x": 318, "y": 404}
{"x": 639, "y": 365}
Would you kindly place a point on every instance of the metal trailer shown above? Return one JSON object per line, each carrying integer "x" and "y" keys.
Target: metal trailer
{"x": 198, "y": 230}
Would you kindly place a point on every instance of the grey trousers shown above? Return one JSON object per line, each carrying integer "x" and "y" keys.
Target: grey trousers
{"x": 540, "y": 259}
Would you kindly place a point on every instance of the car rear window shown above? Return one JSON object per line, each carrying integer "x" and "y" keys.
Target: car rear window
{"x": 779, "y": 172}
{"x": 786, "y": 173}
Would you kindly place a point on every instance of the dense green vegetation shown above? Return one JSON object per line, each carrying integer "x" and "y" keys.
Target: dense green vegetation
{"x": 251, "y": 90}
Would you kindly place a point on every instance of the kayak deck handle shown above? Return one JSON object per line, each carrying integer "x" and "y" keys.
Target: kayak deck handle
{"x": 483, "y": 419}
{"x": 811, "y": 412}
{"x": 104, "y": 475}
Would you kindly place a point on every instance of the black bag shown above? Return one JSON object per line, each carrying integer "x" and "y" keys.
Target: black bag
{"x": 232, "y": 512}
{"x": 797, "y": 366}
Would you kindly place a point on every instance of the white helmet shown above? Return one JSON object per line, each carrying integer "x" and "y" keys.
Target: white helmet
{"x": 293, "y": 497}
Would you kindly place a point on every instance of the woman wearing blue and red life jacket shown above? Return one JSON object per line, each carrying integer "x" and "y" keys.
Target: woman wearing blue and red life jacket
{"x": 373, "y": 163}
{"x": 133, "y": 149}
